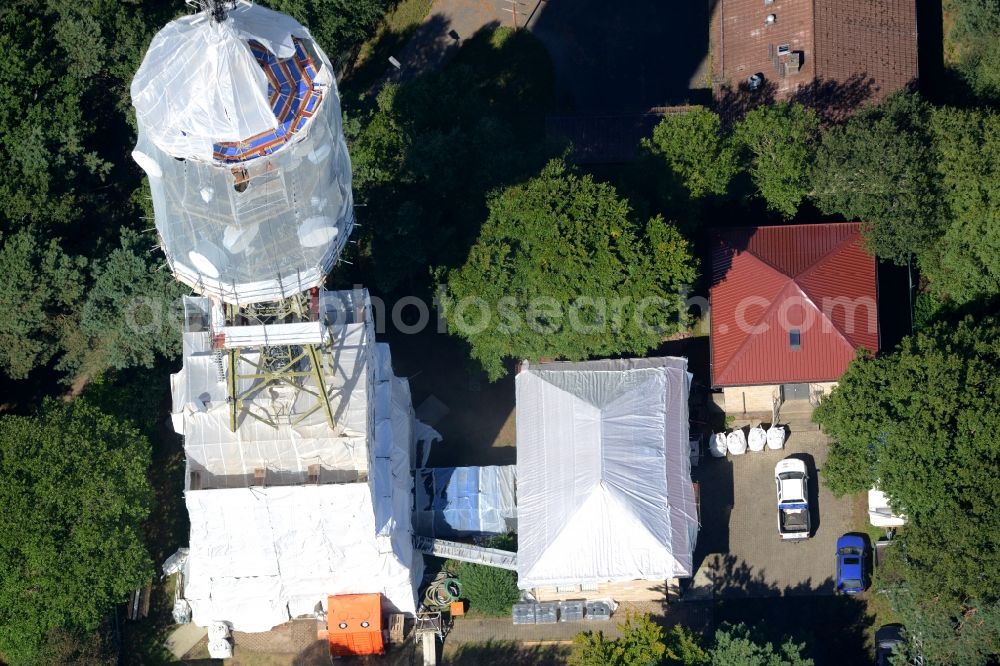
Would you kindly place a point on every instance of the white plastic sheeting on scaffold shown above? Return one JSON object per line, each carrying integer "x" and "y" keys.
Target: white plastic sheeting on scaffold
{"x": 223, "y": 458}
{"x": 255, "y": 226}
{"x": 604, "y": 472}
{"x": 260, "y": 556}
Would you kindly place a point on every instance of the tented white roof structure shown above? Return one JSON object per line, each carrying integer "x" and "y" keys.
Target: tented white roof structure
{"x": 240, "y": 134}
{"x": 604, "y": 473}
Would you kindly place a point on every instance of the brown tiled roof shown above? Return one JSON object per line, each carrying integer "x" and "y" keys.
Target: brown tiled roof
{"x": 842, "y": 52}
{"x": 744, "y": 44}
{"x": 873, "y": 38}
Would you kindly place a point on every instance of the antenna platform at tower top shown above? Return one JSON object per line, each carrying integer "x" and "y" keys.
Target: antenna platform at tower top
{"x": 240, "y": 134}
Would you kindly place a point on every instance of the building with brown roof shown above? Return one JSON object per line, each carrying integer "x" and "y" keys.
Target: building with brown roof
{"x": 837, "y": 53}
{"x": 790, "y": 307}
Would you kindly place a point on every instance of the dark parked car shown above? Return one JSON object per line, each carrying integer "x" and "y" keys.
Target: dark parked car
{"x": 888, "y": 638}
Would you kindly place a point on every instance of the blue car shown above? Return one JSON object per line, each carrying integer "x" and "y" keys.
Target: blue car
{"x": 850, "y": 564}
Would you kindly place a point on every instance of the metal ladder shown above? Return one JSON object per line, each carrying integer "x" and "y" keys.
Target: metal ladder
{"x": 219, "y": 356}
{"x": 466, "y": 552}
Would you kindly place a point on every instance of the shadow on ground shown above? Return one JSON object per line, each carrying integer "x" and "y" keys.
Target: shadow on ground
{"x": 627, "y": 56}
{"x": 715, "y": 476}
{"x": 835, "y": 629}
{"x": 508, "y": 654}
{"x": 479, "y": 426}
{"x": 734, "y": 578}
{"x": 418, "y": 48}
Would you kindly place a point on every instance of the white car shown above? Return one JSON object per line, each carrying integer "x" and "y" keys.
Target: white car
{"x": 880, "y": 514}
{"x": 791, "y": 483}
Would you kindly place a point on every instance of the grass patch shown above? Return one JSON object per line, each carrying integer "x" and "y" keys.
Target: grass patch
{"x": 395, "y": 31}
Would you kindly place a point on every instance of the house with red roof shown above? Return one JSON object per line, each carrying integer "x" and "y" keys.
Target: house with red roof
{"x": 790, "y": 307}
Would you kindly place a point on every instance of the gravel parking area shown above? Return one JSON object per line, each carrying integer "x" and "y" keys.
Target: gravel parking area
{"x": 739, "y": 551}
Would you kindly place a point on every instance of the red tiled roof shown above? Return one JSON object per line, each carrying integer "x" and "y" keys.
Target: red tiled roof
{"x": 868, "y": 46}
{"x": 769, "y": 281}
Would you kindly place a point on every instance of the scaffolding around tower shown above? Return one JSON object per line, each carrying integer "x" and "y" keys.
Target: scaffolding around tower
{"x": 287, "y": 510}
{"x": 273, "y": 347}
{"x": 240, "y": 134}
{"x": 298, "y": 436}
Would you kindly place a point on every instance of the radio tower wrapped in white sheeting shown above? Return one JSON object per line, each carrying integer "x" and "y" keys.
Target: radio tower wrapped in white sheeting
{"x": 240, "y": 134}
{"x": 297, "y": 435}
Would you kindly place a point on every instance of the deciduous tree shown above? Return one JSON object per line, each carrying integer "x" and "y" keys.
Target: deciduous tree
{"x": 693, "y": 145}
{"x": 131, "y": 312}
{"x": 73, "y": 501}
{"x": 964, "y": 263}
{"x": 939, "y": 628}
{"x": 561, "y": 270}
{"x": 975, "y": 32}
{"x": 338, "y": 25}
{"x": 424, "y": 173}
{"x": 877, "y": 169}
{"x": 921, "y": 423}
{"x": 779, "y": 143}
{"x": 39, "y": 294}
{"x": 642, "y": 643}
{"x": 737, "y": 645}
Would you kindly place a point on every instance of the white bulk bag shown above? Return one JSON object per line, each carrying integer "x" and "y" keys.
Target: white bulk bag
{"x": 737, "y": 442}
{"x": 776, "y": 437}
{"x": 757, "y": 439}
{"x": 220, "y": 649}
{"x": 218, "y": 631}
{"x": 717, "y": 445}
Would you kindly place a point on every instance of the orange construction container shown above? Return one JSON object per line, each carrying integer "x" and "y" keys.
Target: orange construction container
{"x": 354, "y": 624}
{"x": 457, "y": 608}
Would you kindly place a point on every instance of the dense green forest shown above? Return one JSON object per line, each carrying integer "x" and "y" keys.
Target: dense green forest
{"x": 457, "y": 180}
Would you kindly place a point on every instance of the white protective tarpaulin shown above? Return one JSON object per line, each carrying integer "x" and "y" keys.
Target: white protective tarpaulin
{"x": 465, "y": 501}
{"x": 227, "y": 459}
{"x": 270, "y": 217}
{"x": 604, "y": 475}
{"x": 199, "y": 84}
{"x": 261, "y": 556}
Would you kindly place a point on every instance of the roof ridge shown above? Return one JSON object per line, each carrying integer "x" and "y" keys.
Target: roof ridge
{"x": 812, "y": 269}
{"x": 833, "y": 325}
{"x": 561, "y": 389}
{"x": 826, "y": 225}
{"x": 611, "y": 494}
{"x": 824, "y": 258}
{"x": 562, "y": 528}
{"x": 774, "y": 303}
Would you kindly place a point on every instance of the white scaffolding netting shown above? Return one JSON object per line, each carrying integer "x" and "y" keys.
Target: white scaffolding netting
{"x": 240, "y": 134}
{"x": 604, "y": 472}
{"x": 261, "y": 556}
{"x": 287, "y": 447}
